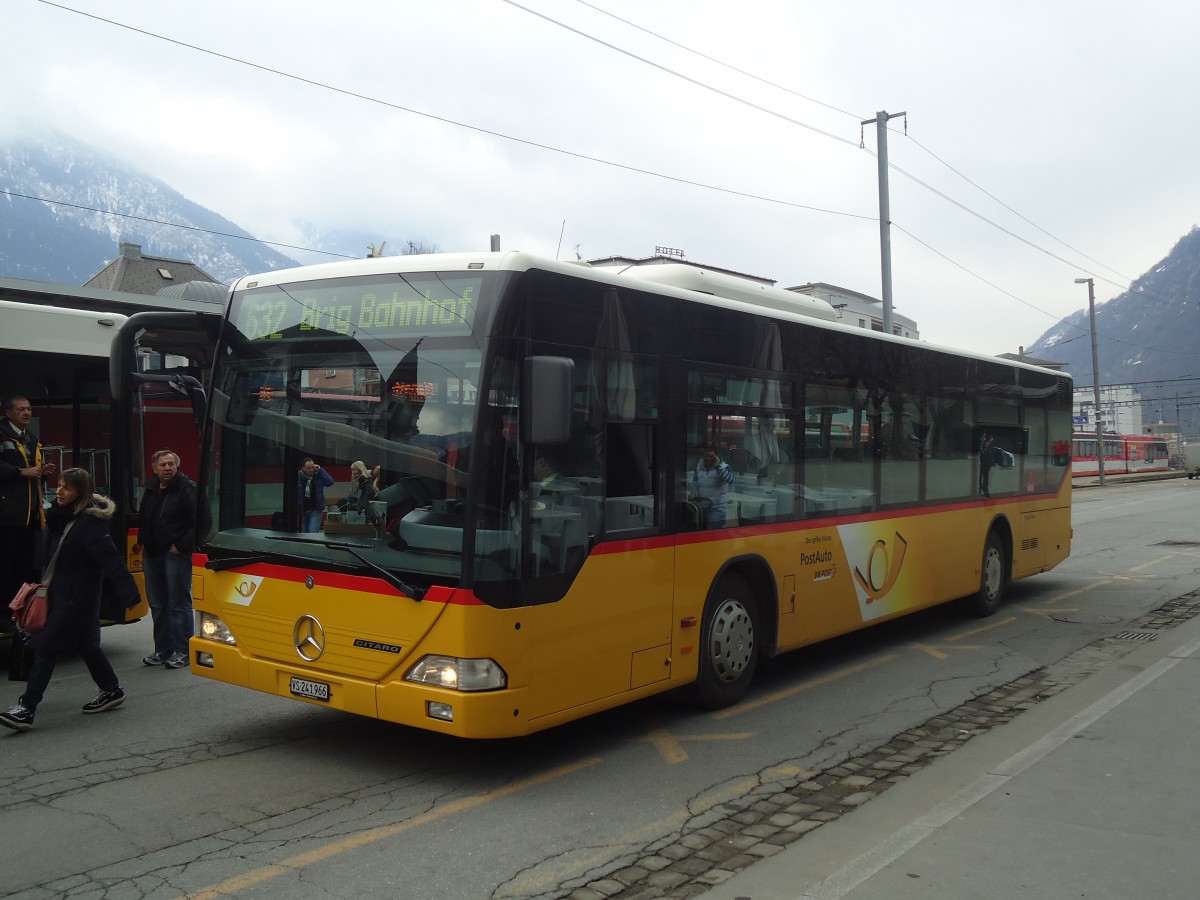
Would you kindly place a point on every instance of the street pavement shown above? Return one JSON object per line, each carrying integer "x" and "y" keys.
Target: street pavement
{"x": 1093, "y": 793}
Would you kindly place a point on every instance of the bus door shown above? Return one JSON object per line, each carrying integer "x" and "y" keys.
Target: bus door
{"x": 593, "y": 507}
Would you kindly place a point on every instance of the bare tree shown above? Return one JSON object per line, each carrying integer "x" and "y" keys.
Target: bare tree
{"x": 413, "y": 248}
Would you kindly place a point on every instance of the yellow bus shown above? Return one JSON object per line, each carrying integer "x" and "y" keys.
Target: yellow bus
{"x": 542, "y": 539}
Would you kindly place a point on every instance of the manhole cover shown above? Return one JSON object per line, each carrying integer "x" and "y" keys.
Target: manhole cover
{"x": 1085, "y": 618}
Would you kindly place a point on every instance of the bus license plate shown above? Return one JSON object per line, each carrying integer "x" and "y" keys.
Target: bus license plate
{"x": 313, "y": 690}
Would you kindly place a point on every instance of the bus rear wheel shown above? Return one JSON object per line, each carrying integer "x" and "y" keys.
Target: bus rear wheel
{"x": 993, "y": 579}
{"x": 728, "y": 644}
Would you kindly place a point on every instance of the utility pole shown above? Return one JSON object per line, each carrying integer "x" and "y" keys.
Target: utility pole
{"x": 885, "y": 216}
{"x": 1095, "y": 374}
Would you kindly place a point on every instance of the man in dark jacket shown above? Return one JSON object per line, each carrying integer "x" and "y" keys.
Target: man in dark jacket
{"x": 167, "y": 534}
{"x": 311, "y": 482}
{"x": 989, "y": 455}
{"x": 22, "y": 474}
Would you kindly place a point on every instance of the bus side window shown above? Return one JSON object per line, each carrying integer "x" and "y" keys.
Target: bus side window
{"x": 631, "y": 460}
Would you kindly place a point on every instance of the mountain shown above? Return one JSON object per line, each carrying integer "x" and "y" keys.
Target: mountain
{"x": 71, "y": 239}
{"x": 1145, "y": 334}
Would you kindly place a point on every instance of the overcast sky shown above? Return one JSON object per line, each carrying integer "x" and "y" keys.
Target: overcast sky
{"x": 1046, "y": 139}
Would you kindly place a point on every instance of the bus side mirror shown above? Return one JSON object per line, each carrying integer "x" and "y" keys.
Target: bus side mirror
{"x": 546, "y": 399}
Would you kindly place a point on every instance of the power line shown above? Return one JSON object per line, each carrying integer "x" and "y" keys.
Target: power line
{"x": 447, "y": 121}
{"x": 597, "y": 160}
{"x": 713, "y": 59}
{"x": 1127, "y": 283}
{"x": 1023, "y": 218}
{"x": 109, "y": 212}
{"x": 680, "y": 75}
{"x": 979, "y": 277}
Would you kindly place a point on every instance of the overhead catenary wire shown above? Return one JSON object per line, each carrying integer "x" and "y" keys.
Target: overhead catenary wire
{"x": 448, "y": 121}
{"x": 588, "y": 157}
{"x": 1125, "y": 284}
{"x": 109, "y": 212}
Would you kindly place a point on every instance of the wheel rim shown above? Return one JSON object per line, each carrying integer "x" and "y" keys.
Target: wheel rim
{"x": 993, "y": 573}
{"x": 731, "y": 641}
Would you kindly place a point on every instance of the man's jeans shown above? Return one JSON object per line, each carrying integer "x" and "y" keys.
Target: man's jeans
{"x": 311, "y": 521}
{"x": 169, "y": 591}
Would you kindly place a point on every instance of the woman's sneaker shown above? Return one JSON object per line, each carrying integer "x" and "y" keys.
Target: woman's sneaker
{"x": 17, "y": 718}
{"x": 176, "y": 660}
{"x": 156, "y": 660}
{"x": 105, "y": 700}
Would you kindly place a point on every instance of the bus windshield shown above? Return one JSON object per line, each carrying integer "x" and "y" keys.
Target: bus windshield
{"x": 314, "y": 378}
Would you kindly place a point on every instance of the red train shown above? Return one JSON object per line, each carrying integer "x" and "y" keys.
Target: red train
{"x": 1123, "y": 454}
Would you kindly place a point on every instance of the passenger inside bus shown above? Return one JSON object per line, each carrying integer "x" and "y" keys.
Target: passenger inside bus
{"x": 711, "y": 482}
{"x": 558, "y": 523}
{"x": 549, "y": 488}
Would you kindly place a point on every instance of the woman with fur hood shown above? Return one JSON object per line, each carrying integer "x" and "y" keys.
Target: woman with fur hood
{"x": 77, "y": 527}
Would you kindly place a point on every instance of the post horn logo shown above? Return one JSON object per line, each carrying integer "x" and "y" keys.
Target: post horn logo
{"x": 890, "y": 569}
{"x": 246, "y": 589}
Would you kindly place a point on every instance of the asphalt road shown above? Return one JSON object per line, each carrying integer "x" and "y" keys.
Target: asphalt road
{"x": 197, "y": 789}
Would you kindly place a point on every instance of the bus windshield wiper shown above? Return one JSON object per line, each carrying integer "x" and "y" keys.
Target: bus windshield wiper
{"x": 232, "y": 562}
{"x": 391, "y": 578}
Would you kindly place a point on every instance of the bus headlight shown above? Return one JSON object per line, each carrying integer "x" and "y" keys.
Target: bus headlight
{"x": 458, "y": 674}
{"x": 211, "y": 628}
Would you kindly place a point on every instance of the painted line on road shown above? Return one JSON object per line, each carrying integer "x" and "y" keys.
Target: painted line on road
{"x": 983, "y": 628}
{"x": 936, "y": 652}
{"x": 1152, "y": 562}
{"x": 670, "y": 746}
{"x": 850, "y": 876}
{"x": 1075, "y": 593}
{"x": 801, "y": 688}
{"x": 265, "y": 873}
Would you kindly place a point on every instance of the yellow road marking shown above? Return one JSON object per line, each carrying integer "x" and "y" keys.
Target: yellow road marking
{"x": 800, "y": 688}
{"x": 933, "y": 651}
{"x": 983, "y": 628}
{"x": 1069, "y": 594}
{"x": 671, "y": 747}
{"x": 264, "y": 873}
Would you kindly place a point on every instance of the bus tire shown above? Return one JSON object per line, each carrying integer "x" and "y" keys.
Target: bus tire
{"x": 993, "y": 579}
{"x": 728, "y": 644}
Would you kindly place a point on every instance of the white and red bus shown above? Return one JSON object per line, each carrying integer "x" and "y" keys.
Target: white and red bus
{"x": 60, "y": 358}
{"x": 1124, "y": 454}
{"x": 536, "y": 552}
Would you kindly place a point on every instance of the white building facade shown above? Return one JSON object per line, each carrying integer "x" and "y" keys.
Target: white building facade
{"x": 859, "y": 310}
{"x": 1120, "y": 409}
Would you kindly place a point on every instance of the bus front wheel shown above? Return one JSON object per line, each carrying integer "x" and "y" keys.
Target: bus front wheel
{"x": 993, "y": 578}
{"x": 728, "y": 644}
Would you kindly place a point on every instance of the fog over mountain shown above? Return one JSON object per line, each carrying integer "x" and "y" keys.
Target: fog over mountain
{"x": 71, "y": 239}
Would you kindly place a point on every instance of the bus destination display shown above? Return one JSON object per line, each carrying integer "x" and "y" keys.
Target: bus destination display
{"x": 442, "y": 306}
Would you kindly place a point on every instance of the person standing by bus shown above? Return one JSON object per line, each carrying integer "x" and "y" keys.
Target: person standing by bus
{"x": 311, "y": 482}
{"x": 167, "y": 534}
{"x": 83, "y": 557}
{"x": 22, "y": 474}
{"x": 989, "y": 456}
{"x": 711, "y": 480}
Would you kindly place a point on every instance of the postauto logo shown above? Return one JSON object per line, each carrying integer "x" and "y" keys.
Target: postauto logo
{"x": 877, "y": 560}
